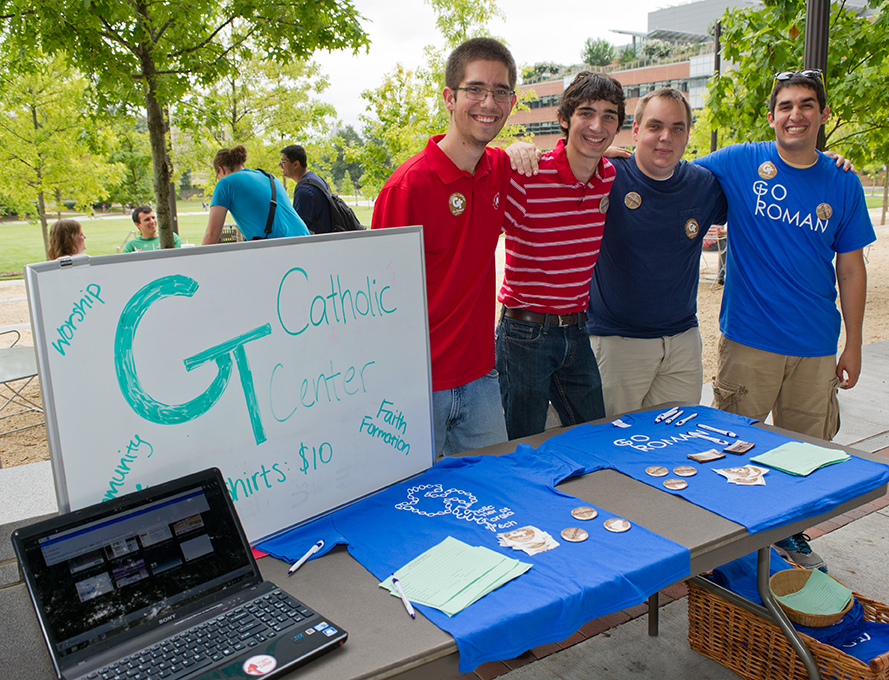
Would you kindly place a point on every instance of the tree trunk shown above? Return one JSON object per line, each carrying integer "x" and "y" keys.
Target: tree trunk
{"x": 157, "y": 136}
{"x": 41, "y": 211}
{"x": 41, "y": 202}
{"x": 171, "y": 189}
{"x": 885, "y": 193}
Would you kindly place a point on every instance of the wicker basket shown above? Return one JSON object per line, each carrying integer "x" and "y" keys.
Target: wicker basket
{"x": 792, "y": 580}
{"x": 757, "y": 649}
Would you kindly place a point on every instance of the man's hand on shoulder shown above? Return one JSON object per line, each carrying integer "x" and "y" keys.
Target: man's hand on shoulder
{"x": 842, "y": 162}
{"x": 617, "y": 152}
{"x": 523, "y": 157}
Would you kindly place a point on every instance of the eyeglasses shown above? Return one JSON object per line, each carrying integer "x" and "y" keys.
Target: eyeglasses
{"x": 479, "y": 94}
{"x": 810, "y": 73}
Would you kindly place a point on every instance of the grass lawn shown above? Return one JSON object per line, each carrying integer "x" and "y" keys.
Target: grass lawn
{"x": 21, "y": 244}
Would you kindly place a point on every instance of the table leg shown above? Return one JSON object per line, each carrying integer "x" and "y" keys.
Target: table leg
{"x": 653, "y": 613}
{"x": 763, "y": 613}
{"x": 779, "y": 617}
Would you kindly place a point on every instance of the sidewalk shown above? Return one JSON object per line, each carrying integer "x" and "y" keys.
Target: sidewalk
{"x": 855, "y": 545}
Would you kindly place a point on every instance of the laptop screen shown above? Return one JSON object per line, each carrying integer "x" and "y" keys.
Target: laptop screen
{"x": 103, "y": 570}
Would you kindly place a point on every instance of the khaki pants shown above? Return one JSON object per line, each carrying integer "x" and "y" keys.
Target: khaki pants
{"x": 800, "y": 392}
{"x": 644, "y": 372}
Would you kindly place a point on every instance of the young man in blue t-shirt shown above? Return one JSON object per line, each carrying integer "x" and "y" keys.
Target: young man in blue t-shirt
{"x": 791, "y": 212}
{"x": 642, "y": 313}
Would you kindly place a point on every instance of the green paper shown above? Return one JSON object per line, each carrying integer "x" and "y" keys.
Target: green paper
{"x": 800, "y": 458}
{"x": 452, "y": 575}
{"x": 821, "y": 595}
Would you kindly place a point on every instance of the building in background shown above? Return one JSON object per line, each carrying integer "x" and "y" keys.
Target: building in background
{"x": 688, "y": 25}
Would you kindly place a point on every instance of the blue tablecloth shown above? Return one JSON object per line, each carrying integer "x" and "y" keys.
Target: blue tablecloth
{"x": 475, "y": 498}
{"x": 783, "y": 498}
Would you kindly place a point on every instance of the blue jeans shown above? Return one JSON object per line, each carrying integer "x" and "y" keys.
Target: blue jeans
{"x": 543, "y": 363}
{"x": 468, "y": 417}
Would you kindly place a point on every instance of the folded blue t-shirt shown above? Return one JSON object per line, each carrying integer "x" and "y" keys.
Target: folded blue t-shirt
{"x": 782, "y": 499}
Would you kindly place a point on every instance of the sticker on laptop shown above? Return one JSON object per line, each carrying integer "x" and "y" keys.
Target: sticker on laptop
{"x": 329, "y": 632}
{"x": 321, "y": 626}
{"x": 310, "y": 631}
{"x": 262, "y": 664}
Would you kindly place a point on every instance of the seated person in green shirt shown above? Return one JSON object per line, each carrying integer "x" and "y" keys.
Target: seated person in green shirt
{"x": 146, "y": 221}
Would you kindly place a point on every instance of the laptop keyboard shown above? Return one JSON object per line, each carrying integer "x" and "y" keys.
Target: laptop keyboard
{"x": 210, "y": 642}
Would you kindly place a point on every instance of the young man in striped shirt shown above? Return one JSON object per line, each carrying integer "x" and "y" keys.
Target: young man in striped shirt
{"x": 553, "y": 224}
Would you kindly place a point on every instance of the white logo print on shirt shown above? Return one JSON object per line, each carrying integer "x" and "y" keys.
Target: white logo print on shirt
{"x": 431, "y": 500}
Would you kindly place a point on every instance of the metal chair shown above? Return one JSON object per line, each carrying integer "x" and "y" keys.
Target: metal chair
{"x": 17, "y": 364}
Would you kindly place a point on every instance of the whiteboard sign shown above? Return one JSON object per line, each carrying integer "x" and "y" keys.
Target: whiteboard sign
{"x": 299, "y": 367}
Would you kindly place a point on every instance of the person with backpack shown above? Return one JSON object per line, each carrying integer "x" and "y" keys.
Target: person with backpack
{"x": 256, "y": 200}
{"x": 309, "y": 200}
{"x": 321, "y": 210}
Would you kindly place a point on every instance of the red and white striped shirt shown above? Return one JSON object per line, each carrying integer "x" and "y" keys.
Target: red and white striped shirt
{"x": 553, "y": 225}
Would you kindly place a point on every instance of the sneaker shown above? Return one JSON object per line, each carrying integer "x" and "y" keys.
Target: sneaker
{"x": 797, "y": 549}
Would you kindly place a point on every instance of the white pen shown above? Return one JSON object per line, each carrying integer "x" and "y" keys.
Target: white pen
{"x": 666, "y": 414}
{"x": 302, "y": 560}
{"x": 718, "y": 431}
{"x": 673, "y": 417}
{"x": 701, "y": 435}
{"x": 680, "y": 423}
{"x": 404, "y": 600}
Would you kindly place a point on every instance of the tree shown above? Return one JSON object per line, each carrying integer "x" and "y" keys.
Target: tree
{"x": 626, "y": 54}
{"x": 343, "y": 140}
{"x": 597, "y": 52}
{"x": 771, "y": 40}
{"x": 657, "y": 49}
{"x": 261, "y": 104}
{"x": 460, "y": 20}
{"x": 132, "y": 150}
{"x": 347, "y": 186}
{"x": 408, "y": 107}
{"x": 403, "y": 113}
{"x": 49, "y": 145}
{"x": 542, "y": 70}
{"x": 152, "y": 52}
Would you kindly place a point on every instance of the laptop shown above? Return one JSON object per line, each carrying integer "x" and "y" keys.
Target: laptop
{"x": 161, "y": 583}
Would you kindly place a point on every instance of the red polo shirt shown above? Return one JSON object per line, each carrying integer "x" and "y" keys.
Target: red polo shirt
{"x": 461, "y": 214}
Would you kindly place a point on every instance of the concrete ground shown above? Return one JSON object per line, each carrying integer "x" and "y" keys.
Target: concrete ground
{"x": 855, "y": 546}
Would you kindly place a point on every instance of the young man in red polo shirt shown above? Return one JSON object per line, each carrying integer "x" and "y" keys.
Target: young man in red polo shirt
{"x": 553, "y": 226}
{"x": 456, "y": 188}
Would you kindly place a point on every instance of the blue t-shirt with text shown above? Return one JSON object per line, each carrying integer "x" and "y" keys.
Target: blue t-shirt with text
{"x": 785, "y": 226}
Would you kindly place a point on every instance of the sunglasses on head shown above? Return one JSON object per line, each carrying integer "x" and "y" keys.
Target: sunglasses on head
{"x": 810, "y": 73}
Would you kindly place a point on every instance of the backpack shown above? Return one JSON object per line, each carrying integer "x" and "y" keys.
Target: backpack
{"x": 342, "y": 218}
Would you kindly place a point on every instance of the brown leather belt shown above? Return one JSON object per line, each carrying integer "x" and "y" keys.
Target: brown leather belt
{"x": 554, "y": 319}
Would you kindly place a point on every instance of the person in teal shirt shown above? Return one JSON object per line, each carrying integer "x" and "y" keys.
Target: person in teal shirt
{"x": 146, "y": 222}
{"x": 247, "y": 194}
